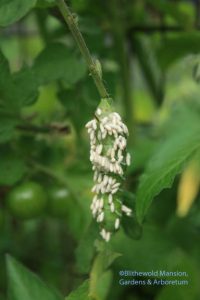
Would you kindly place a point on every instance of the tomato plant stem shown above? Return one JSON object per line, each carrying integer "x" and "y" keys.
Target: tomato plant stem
{"x": 71, "y": 21}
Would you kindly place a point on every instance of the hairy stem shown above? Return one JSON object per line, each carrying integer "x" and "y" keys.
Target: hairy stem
{"x": 71, "y": 21}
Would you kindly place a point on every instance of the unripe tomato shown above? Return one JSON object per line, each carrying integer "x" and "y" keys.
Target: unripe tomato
{"x": 59, "y": 202}
{"x": 27, "y": 200}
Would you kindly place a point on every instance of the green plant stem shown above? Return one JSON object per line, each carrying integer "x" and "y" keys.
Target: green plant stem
{"x": 71, "y": 21}
{"x": 122, "y": 57}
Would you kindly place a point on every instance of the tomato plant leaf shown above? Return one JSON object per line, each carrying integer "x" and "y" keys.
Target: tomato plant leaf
{"x": 182, "y": 141}
{"x": 131, "y": 227}
{"x": 102, "y": 262}
{"x": 85, "y": 250}
{"x": 18, "y": 89}
{"x": 12, "y": 168}
{"x": 75, "y": 99}
{"x": 58, "y": 62}
{"x": 7, "y": 126}
{"x": 45, "y": 3}
{"x": 11, "y": 11}
{"x": 80, "y": 293}
{"x": 103, "y": 285}
{"x": 176, "y": 47}
{"x": 150, "y": 66}
{"x": 6, "y": 84}
{"x": 182, "y": 13}
{"x": 5, "y": 71}
{"x": 24, "y": 285}
{"x": 178, "y": 292}
{"x": 26, "y": 88}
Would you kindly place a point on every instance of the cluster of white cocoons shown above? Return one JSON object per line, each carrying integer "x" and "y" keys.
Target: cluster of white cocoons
{"x": 109, "y": 158}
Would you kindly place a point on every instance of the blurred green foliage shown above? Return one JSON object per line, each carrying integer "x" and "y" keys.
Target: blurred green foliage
{"x": 47, "y": 96}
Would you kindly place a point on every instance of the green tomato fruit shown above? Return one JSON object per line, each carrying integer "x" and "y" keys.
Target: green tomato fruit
{"x": 59, "y": 202}
{"x": 27, "y": 200}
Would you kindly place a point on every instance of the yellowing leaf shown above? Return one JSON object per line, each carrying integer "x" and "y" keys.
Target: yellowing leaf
{"x": 188, "y": 188}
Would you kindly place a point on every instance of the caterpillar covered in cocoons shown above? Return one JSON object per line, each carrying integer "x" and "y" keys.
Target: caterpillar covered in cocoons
{"x": 109, "y": 158}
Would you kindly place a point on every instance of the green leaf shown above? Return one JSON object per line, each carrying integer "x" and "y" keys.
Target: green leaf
{"x": 176, "y": 47}
{"x": 102, "y": 262}
{"x": 143, "y": 150}
{"x": 181, "y": 292}
{"x": 13, "y": 10}
{"x": 12, "y": 168}
{"x": 75, "y": 99}
{"x": 85, "y": 250}
{"x": 136, "y": 256}
{"x": 18, "y": 89}
{"x": 131, "y": 227}
{"x": 7, "y": 127}
{"x": 157, "y": 250}
{"x": 5, "y": 71}
{"x": 24, "y": 285}
{"x": 103, "y": 285}
{"x": 45, "y": 3}
{"x": 81, "y": 293}
{"x": 182, "y": 13}
{"x": 6, "y": 85}
{"x": 79, "y": 5}
{"x": 129, "y": 223}
{"x": 149, "y": 66}
{"x": 57, "y": 62}
{"x": 26, "y": 88}
{"x": 181, "y": 142}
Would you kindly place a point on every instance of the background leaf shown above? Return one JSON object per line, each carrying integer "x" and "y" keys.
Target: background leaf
{"x": 181, "y": 13}
{"x": 104, "y": 284}
{"x": 24, "y": 285}
{"x": 145, "y": 53}
{"x": 177, "y": 46}
{"x": 7, "y": 127}
{"x": 45, "y": 3}
{"x": 85, "y": 250}
{"x": 190, "y": 291}
{"x": 11, "y": 11}
{"x": 17, "y": 89}
{"x": 169, "y": 159}
{"x": 12, "y": 168}
{"x": 99, "y": 273}
{"x": 5, "y": 71}
{"x": 80, "y": 293}
{"x": 57, "y": 61}
{"x": 26, "y": 87}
